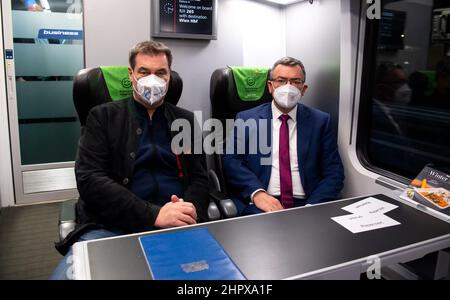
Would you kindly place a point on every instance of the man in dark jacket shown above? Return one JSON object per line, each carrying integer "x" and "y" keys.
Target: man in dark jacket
{"x": 128, "y": 176}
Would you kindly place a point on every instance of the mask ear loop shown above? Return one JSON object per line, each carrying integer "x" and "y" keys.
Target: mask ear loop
{"x": 134, "y": 89}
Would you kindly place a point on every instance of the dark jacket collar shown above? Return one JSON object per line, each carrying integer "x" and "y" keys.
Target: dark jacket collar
{"x": 140, "y": 111}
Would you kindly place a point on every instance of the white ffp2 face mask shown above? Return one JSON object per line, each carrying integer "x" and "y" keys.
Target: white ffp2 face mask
{"x": 151, "y": 89}
{"x": 403, "y": 94}
{"x": 287, "y": 96}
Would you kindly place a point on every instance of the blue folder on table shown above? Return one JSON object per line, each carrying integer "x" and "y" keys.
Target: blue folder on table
{"x": 188, "y": 255}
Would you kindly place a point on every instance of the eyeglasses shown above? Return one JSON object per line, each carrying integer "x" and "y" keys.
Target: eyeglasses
{"x": 293, "y": 81}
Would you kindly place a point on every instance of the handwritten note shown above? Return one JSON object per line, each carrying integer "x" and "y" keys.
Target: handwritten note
{"x": 362, "y": 223}
{"x": 367, "y": 214}
{"x": 370, "y": 206}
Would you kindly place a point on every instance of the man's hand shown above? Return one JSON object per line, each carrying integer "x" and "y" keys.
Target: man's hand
{"x": 266, "y": 202}
{"x": 34, "y": 7}
{"x": 176, "y": 213}
{"x": 175, "y": 199}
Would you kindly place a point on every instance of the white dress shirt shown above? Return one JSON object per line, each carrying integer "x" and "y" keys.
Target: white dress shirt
{"x": 274, "y": 183}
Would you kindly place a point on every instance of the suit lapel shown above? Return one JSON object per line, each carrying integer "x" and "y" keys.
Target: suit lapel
{"x": 266, "y": 114}
{"x": 303, "y": 137}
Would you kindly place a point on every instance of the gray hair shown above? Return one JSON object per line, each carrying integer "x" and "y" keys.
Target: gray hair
{"x": 149, "y": 48}
{"x": 288, "y": 61}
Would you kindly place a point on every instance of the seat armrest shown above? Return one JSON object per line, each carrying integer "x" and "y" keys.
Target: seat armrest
{"x": 67, "y": 218}
{"x": 226, "y": 205}
{"x": 214, "y": 180}
{"x": 213, "y": 211}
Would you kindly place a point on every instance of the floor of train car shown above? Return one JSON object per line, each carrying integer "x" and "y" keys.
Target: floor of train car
{"x": 27, "y": 236}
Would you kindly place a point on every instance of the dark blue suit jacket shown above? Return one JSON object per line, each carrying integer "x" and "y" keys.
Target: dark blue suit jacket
{"x": 321, "y": 170}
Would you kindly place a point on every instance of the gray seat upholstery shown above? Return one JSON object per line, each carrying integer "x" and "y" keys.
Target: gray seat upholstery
{"x": 67, "y": 218}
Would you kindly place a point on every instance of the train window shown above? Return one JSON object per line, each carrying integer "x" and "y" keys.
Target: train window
{"x": 405, "y": 89}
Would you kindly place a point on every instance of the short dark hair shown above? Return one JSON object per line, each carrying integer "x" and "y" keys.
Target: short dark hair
{"x": 149, "y": 48}
{"x": 288, "y": 61}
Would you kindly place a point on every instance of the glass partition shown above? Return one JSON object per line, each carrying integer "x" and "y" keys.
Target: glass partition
{"x": 48, "y": 47}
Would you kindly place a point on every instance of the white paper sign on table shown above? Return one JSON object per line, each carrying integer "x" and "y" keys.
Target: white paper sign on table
{"x": 370, "y": 206}
{"x": 365, "y": 222}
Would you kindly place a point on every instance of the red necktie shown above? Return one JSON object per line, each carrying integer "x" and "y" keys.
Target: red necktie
{"x": 287, "y": 199}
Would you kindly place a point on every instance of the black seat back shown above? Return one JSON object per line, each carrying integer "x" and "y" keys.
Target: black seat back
{"x": 91, "y": 89}
{"x": 225, "y": 100}
{"x": 225, "y": 104}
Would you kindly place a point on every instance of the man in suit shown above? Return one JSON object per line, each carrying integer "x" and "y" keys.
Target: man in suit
{"x": 128, "y": 177}
{"x": 305, "y": 166}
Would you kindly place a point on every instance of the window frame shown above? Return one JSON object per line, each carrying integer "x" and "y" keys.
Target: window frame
{"x": 365, "y": 93}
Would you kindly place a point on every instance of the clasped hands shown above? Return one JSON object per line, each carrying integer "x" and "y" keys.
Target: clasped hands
{"x": 176, "y": 213}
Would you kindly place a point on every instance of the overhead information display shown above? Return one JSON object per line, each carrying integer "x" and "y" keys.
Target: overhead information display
{"x": 185, "y": 19}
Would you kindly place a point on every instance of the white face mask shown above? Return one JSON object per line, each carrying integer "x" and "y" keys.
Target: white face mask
{"x": 287, "y": 96}
{"x": 151, "y": 89}
{"x": 403, "y": 94}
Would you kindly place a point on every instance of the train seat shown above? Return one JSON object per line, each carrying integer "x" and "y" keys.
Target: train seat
{"x": 98, "y": 85}
{"x": 234, "y": 89}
